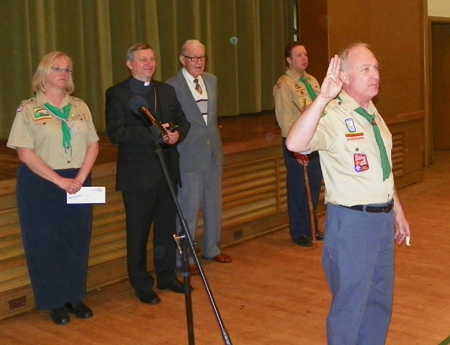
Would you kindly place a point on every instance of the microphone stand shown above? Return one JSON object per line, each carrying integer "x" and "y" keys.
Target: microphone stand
{"x": 186, "y": 242}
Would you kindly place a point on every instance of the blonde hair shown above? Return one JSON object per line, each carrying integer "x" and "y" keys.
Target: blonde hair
{"x": 44, "y": 68}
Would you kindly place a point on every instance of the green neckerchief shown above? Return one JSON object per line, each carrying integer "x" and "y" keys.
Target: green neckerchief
{"x": 64, "y": 116}
{"x": 309, "y": 88}
{"x": 383, "y": 154}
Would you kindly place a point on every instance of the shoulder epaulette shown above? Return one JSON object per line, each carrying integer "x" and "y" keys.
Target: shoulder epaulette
{"x": 76, "y": 98}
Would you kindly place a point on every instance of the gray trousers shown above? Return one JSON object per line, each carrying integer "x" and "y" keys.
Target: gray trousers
{"x": 203, "y": 190}
{"x": 358, "y": 259}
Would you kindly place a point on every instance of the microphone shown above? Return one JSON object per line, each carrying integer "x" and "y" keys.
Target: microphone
{"x": 139, "y": 106}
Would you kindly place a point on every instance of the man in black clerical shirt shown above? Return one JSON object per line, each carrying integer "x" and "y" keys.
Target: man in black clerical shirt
{"x": 140, "y": 177}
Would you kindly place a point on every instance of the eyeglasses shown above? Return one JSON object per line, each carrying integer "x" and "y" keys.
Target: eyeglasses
{"x": 61, "y": 70}
{"x": 195, "y": 58}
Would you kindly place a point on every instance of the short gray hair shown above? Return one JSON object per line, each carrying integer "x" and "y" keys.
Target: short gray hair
{"x": 134, "y": 48}
{"x": 343, "y": 55}
{"x": 190, "y": 42}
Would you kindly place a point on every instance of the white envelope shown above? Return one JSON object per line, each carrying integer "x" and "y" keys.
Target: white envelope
{"x": 88, "y": 195}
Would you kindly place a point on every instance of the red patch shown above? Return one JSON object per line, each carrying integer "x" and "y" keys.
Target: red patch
{"x": 361, "y": 162}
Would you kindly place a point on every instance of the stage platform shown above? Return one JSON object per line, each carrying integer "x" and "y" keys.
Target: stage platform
{"x": 238, "y": 132}
{"x": 254, "y": 203}
{"x": 254, "y": 199}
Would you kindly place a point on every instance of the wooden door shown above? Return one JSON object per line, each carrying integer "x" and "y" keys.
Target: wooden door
{"x": 440, "y": 85}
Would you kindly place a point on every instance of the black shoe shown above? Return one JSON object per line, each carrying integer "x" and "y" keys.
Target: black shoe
{"x": 319, "y": 235}
{"x": 60, "y": 316}
{"x": 81, "y": 310}
{"x": 303, "y": 241}
{"x": 148, "y": 296}
{"x": 175, "y": 286}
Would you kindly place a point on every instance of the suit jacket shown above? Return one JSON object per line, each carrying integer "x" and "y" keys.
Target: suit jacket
{"x": 203, "y": 141}
{"x": 137, "y": 165}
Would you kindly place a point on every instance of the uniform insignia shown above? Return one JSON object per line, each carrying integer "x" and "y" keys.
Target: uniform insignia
{"x": 304, "y": 101}
{"x": 19, "y": 109}
{"x": 77, "y": 117}
{"x": 360, "y": 161}
{"x": 41, "y": 113}
{"x": 279, "y": 85}
{"x": 354, "y": 136}
{"x": 350, "y": 125}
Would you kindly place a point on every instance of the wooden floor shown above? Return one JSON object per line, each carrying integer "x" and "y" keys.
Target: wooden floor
{"x": 274, "y": 292}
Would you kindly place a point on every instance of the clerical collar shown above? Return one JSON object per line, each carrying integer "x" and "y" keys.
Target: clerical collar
{"x": 139, "y": 86}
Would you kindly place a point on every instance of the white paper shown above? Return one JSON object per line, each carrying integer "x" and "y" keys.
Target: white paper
{"x": 408, "y": 240}
{"x": 88, "y": 195}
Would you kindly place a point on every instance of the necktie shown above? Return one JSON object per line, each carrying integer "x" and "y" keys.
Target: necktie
{"x": 309, "y": 88}
{"x": 64, "y": 116}
{"x": 198, "y": 88}
{"x": 383, "y": 154}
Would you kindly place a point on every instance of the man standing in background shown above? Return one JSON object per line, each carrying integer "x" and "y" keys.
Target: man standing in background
{"x": 201, "y": 153}
{"x": 293, "y": 93}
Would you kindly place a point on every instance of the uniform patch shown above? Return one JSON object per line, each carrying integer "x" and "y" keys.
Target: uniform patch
{"x": 360, "y": 161}
{"x": 77, "y": 117}
{"x": 350, "y": 125}
{"x": 41, "y": 113}
{"x": 19, "y": 109}
{"x": 304, "y": 102}
{"x": 354, "y": 136}
{"x": 279, "y": 85}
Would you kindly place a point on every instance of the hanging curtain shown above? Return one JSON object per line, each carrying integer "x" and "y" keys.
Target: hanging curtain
{"x": 244, "y": 40}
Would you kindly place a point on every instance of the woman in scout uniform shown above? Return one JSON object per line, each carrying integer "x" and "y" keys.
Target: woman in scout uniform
{"x": 57, "y": 143}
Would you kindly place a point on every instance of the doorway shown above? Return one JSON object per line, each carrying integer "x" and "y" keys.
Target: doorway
{"x": 440, "y": 84}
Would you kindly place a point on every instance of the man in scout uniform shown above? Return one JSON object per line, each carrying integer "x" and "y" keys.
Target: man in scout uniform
{"x": 293, "y": 93}
{"x": 362, "y": 205}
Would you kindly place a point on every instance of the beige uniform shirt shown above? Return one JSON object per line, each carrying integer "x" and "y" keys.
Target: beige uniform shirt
{"x": 349, "y": 155}
{"x": 291, "y": 99}
{"x": 36, "y": 128}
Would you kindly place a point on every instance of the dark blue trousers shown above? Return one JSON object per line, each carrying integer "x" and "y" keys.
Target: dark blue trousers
{"x": 299, "y": 219}
{"x": 56, "y": 239}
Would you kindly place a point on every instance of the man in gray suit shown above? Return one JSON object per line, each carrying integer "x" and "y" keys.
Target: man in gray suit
{"x": 201, "y": 153}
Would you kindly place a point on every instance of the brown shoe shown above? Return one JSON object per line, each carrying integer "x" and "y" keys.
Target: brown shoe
{"x": 194, "y": 270}
{"x": 222, "y": 258}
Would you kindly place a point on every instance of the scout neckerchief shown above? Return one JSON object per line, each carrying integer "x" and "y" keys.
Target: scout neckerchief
{"x": 376, "y": 130}
{"x": 64, "y": 116}
{"x": 309, "y": 88}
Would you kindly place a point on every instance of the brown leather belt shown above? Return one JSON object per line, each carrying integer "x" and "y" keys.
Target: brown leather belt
{"x": 373, "y": 209}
